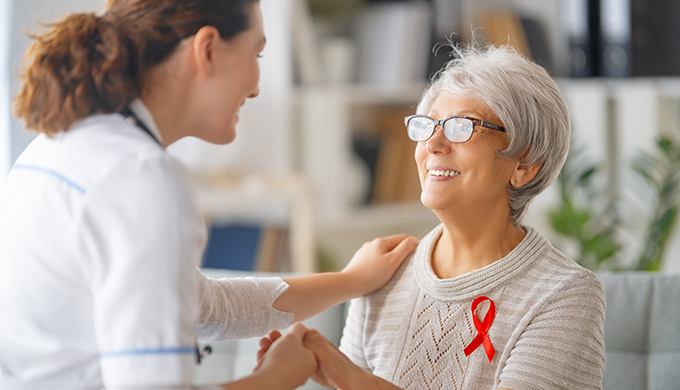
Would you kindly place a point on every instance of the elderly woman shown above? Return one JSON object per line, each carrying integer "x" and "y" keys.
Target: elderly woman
{"x": 484, "y": 302}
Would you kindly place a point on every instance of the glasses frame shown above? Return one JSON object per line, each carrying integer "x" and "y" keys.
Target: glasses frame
{"x": 440, "y": 123}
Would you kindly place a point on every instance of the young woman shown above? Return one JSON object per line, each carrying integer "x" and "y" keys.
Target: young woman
{"x": 100, "y": 233}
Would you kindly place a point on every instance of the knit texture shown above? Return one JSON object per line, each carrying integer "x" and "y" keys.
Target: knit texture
{"x": 548, "y": 331}
{"x": 239, "y": 308}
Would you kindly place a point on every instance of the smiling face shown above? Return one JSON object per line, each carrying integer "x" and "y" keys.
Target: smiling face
{"x": 464, "y": 177}
{"x": 236, "y": 78}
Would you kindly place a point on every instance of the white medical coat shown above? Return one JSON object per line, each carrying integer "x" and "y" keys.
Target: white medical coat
{"x": 100, "y": 237}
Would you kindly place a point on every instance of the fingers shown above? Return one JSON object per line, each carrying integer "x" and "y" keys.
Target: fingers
{"x": 297, "y": 331}
{"x": 286, "y": 357}
{"x": 311, "y": 336}
{"x": 397, "y": 242}
{"x": 406, "y": 246}
{"x": 265, "y": 342}
{"x": 274, "y": 334}
{"x": 335, "y": 369}
{"x": 374, "y": 264}
{"x": 316, "y": 341}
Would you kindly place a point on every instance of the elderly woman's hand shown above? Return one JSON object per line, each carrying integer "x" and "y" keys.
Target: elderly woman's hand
{"x": 336, "y": 370}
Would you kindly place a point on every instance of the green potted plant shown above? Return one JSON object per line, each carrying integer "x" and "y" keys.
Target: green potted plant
{"x": 592, "y": 229}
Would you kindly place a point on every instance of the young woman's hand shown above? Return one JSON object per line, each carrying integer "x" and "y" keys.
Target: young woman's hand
{"x": 370, "y": 268}
{"x": 265, "y": 343}
{"x": 284, "y": 359}
{"x": 376, "y": 261}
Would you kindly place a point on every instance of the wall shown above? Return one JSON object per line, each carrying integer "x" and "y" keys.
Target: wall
{"x": 263, "y": 142}
{"x": 18, "y": 18}
{"x": 5, "y": 41}
{"x": 263, "y": 135}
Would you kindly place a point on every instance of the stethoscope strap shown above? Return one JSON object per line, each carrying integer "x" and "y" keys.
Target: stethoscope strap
{"x": 207, "y": 350}
{"x": 134, "y": 120}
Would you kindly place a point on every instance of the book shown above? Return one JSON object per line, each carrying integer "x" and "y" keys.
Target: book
{"x": 388, "y": 169}
{"x": 396, "y": 177}
{"x": 581, "y": 19}
{"x": 247, "y": 247}
{"x": 446, "y": 27}
{"x": 393, "y": 43}
{"x": 655, "y": 37}
{"x": 640, "y": 38}
{"x": 505, "y": 27}
{"x": 525, "y": 34}
{"x": 615, "y": 25}
{"x": 232, "y": 246}
{"x": 367, "y": 148}
{"x": 306, "y": 54}
{"x": 411, "y": 189}
{"x": 273, "y": 250}
{"x": 536, "y": 38}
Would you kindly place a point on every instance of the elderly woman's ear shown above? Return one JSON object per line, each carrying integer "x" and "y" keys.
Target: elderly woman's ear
{"x": 524, "y": 174}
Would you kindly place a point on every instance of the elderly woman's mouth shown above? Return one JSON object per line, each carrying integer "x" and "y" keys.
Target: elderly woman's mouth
{"x": 438, "y": 172}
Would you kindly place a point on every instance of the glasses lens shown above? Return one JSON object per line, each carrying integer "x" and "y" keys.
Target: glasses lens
{"x": 458, "y": 129}
{"x": 420, "y": 129}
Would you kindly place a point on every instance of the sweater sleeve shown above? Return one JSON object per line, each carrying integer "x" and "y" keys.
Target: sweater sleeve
{"x": 562, "y": 347}
{"x": 352, "y": 342}
{"x": 236, "y": 308}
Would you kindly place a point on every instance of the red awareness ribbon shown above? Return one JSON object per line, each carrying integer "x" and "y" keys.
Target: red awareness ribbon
{"x": 482, "y": 328}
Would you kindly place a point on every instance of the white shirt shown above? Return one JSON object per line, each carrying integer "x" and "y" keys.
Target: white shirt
{"x": 100, "y": 237}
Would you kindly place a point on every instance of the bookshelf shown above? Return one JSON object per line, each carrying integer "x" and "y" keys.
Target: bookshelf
{"x": 616, "y": 120}
{"x": 329, "y": 117}
{"x": 278, "y": 206}
{"x": 298, "y": 133}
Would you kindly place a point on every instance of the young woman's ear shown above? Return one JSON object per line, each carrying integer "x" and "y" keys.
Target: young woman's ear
{"x": 203, "y": 49}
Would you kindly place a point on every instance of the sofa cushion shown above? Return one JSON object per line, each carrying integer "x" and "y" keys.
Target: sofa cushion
{"x": 642, "y": 331}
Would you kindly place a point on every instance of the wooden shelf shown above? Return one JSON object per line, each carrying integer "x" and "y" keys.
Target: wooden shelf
{"x": 366, "y": 94}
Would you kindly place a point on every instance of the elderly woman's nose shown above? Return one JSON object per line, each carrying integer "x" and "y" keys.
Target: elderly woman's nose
{"x": 438, "y": 142}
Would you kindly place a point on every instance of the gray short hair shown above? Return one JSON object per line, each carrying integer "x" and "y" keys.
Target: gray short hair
{"x": 525, "y": 99}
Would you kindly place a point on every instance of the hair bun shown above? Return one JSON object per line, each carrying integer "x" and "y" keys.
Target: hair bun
{"x": 82, "y": 66}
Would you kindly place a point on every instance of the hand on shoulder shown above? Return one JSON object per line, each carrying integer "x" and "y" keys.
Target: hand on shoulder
{"x": 376, "y": 261}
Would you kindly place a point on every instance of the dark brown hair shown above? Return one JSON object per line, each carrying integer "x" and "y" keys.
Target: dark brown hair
{"x": 90, "y": 64}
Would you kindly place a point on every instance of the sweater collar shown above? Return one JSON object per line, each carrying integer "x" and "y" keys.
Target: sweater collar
{"x": 480, "y": 281}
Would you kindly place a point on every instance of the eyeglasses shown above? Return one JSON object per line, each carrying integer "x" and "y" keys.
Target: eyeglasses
{"x": 456, "y": 128}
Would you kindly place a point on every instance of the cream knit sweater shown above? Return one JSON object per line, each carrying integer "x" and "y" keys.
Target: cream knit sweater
{"x": 548, "y": 331}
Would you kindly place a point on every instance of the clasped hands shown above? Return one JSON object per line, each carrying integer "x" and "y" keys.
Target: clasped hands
{"x": 303, "y": 353}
